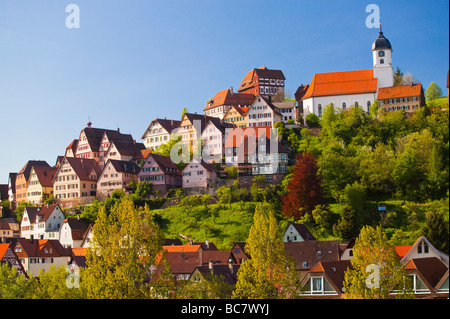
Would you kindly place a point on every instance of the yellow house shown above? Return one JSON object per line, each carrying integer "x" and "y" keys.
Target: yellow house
{"x": 236, "y": 116}
{"x": 40, "y": 184}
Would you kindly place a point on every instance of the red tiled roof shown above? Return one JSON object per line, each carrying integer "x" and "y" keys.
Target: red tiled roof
{"x": 401, "y": 251}
{"x": 339, "y": 83}
{"x": 226, "y": 97}
{"x": 3, "y": 249}
{"x": 400, "y": 91}
{"x": 182, "y": 249}
{"x": 45, "y": 175}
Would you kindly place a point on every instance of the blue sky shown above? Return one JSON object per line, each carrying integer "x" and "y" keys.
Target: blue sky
{"x": 133, "y": 61}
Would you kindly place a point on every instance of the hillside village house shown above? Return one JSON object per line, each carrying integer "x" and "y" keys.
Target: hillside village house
{"x": 352, "y": 88}
{"x": 40, "y": 184}
{"x": 73, "y": 232}
{"x": 75, "y": 181}
{"x": 191, "y": 128}
{"x": 23, "y": 177}
{"x": 236, "y": 116}
{"x": 161, "y": 172}
{"x": 94, "y": 142}
{"x": 296, "y": 232}
{"x": 407, "y": 98}
{"x": 41, "y": 222}
{"x": 9, "y": 257}
{"x": 219, "y": 105}
{"x": 158, "y": 132}
{"x": 213, "y": 138}
{"x": 116, "y": 175}
{"x": 199, "y": 174}
{"x": 262, "y": 113}
{"x": 71, "y": 149}
{"x": 124, "y": 151}
{"x": 262, "y": 81}
{"x": 287, "y": 110}
{"x": 41, "y": 254}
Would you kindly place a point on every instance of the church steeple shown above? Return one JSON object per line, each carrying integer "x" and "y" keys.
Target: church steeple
{"x": 382, "y": 60}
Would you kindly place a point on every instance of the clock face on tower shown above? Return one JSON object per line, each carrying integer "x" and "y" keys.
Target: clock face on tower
{"x": 381, "y": 53}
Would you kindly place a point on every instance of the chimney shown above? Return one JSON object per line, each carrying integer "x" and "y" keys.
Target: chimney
{"x": 78, "y": 217}
{"x": 231, "y": 90}
{"x": 207, "y": 244}
{"x": 171, "y": 122}
{"x": 200, "y": 257}
{"x": 210, "y": 264}
{"x": 47, "y": 205}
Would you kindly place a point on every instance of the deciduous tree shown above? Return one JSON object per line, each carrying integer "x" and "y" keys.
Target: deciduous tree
{"x": 304, "y": 191}
{"x": 377, "y": 271}
{"x": 268, "y": 273}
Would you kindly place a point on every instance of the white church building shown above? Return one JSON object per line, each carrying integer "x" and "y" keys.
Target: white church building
{"x": 352, "y": 88}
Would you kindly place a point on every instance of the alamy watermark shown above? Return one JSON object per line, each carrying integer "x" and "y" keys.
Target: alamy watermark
{"x": 373, "y": 20}
{"x": 73, "y": 19}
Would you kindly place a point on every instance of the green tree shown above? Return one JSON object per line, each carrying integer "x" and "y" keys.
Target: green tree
{"x": 347, "y": 227}
{"x": 436, "y": 230}
{"x": 376, "y": 169}
{"x": 433, "y": 91}
{"x": 436, "y": 175}
{"x": 312, "y": 120}
{"x": 398, "y": 77}
{"x": 209, "y": 286}
{"x": 184, "y": 111}
{"x": 377, "y": 271}
{"x": 268, "y": 273}
{"x": 224, "y": 195}
{"x": 14, "y": 285}
{"x": 123, "y": 253}
{"x": 52, "y": 285}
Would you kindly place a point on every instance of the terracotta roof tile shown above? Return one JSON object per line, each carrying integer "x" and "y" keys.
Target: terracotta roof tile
{"x": 400, "y": 91}
{"x": 339, "y": 83}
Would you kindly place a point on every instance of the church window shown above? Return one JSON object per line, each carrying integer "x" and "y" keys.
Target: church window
{"x": 381, "y": 61}
{"x": 344, "y": 106}
{"x": 320, "y": 110}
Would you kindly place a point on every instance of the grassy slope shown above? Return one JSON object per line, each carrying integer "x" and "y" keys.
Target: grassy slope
{"x": 219, "y": 224}
{"x": 223, "y": 225}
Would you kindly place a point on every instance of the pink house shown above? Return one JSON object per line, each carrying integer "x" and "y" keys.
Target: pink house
{"x": 199, "y": 174}
{"x": 161, "y": 172}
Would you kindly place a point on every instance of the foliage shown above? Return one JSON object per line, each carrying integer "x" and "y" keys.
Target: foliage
{"x": 433, "y": 91}
{"x": 436, "y": 230}
{"x": 123, "y": 254}
{"x": 209, "y": 287}
{"x": 304, "y": 191}
{"x": 268, "y": 273}
{"x": 13, "y": 285}
{"x": 372, "y": 249}
{"x": 312, "y": 120}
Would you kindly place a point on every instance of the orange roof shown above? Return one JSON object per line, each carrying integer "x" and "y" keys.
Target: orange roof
{"x": 401, "y": 251}
{"x": 79, "y": 251}
{"x": 339, "y": 83}
{"x": 3, "y": 249}
{"x": 317, "y": 268}
{"x": 400, "y": 91}
{"x": 410, "y": 265}
{"x": 182, "y": 249}
{"x": 226, "y": 97}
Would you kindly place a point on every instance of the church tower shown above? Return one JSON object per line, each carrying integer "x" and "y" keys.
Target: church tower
{"x": 382, "y": 61}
